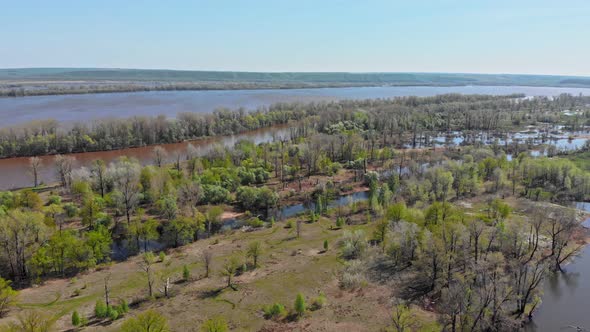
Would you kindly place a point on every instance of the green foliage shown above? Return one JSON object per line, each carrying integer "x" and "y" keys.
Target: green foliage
{"x": 354, "y": 244}
{"x": 254, "y": 251}
{"x": 215, "y": 194}
{"x": 76, "y": 318}
{"x": 100, "y": 309}
{"x": 112, "y": 313}
{"x": 251, "y": 198}
{"x": 325, "y": 245}
{"x": 216, "y": 324}
{"x": 71, "y": 210}
{"x": 186, "y": 272}
{"x": 319, "y": 302}
{"x": 54, "y": 199}
{"x": 339, "y": 222}
{"x": 124, "y": 307}
{"x": 7, "y": 296}
{"x": 254, "y": 222}
{"x": 148, "y": 321}
{"x": 274, "y": 311}
{"x": 300, "y": 307}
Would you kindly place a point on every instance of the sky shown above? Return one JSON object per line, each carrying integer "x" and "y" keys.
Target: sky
{"x": 466, "y": 36}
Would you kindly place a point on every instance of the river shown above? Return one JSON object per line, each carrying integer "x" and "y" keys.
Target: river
{"x": 566, "y": 296}
{"x": 14, "y": 171}
{"x": 83, "y": 108}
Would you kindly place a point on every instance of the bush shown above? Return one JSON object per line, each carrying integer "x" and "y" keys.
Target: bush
{"x": 113, "y": 313}
{"x": 339, "y": 222}
{"x": 289, "y": 224}
{"x": 217, "y": 324}
{"x": 124, "y": 307}
{"x": 325, "y": 245}
{"x": 186, "y": 273}
{"x": 162, "y": 256}
{"x": 353, "y": 276}
{"x": 354, "y": 244}
{"x": 75, "y": 318}
{"x": 319, "y": 302}
{"x": 255, "y": 222}
{"x": 149, "y": 320}
{"x": 300, "y": 305}
{"x": 274, "y": 311}
{"x": 71, "y": 210}
{"x": 100, "y": 309}
{"x": 54, "y": 199}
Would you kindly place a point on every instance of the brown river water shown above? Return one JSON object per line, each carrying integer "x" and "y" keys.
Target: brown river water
{"x": 14, "y": 172}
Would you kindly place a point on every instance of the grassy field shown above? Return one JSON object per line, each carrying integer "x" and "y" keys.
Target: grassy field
{"x": 288, "y": 265}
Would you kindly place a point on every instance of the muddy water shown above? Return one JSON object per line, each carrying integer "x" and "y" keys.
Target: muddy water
{"x": 566, "y": 296}
{"x": 14, "y": 171}
{"x": 83, "y": 108}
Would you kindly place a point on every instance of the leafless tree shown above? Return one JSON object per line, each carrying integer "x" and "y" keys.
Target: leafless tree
{"x": 35, "y": 165}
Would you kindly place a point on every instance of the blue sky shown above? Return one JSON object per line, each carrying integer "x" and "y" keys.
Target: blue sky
{"x": 479, "y": 36}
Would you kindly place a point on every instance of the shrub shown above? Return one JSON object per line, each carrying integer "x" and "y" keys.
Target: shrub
{"x": 354, "y": 244}
{"x": 54, "y": 199}
{"x": 353, "y": 276}
{"x": 300, "y": 305}
{"x": 124, "y": 307}
{"x": 255, "y": 222}
{"x": 146, "y": 321}
{"x": 289, "y": 224}
{"x": 319, "y": 302}
{"x": 186, "y": 273}
{"x": 113, "y": 313}
{"x": 274, "y": 311}
{"x": 216, "y": 324}
{"x": 75, "y": 318}
{"x": 71, "y": 210}
{"x": 339, "y": 222}
{"x": 100, "y": 309}
{"x": 162, "y": 256}
{"x": 7, "y": 295}
{"x": 325, "y": 245}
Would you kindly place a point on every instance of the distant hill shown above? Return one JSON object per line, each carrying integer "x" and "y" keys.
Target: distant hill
{"x": 310, "y": 78}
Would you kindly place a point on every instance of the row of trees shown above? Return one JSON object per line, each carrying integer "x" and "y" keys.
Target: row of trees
{"x": 383, "y": 120}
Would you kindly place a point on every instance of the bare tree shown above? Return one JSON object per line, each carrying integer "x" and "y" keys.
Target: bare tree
{"x": 147, "y": 266}
{"x": 34, "y": 167}
{"x": 207, "y": 259}
{"x": 159, "y": 155}
{"x": 63, "y": 167}
{"x": 126, "y": 177}
{"x": 98, "y": 171}
{"x": 107, "y": 278}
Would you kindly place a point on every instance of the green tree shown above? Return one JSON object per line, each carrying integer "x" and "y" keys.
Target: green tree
{"x": 229, "y": 269}
{"x": 254, "y": 251}
{"x": 31, "y": 321}
{"x": 148, "y": 321}
{"x": 217, "y": 324}
{"x": 7, "y": 296}
{"x": 146, "y": 265}
{"x": 300, "y": 305}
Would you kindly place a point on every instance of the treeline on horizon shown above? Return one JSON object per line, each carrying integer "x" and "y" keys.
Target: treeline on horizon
{"x": 25, "y": 81}
{"x": 399, "y": 116}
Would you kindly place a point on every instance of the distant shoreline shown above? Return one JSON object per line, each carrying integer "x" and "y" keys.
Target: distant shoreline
{"x": 102, "y": 88}
{"x": 64, "y": 81}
